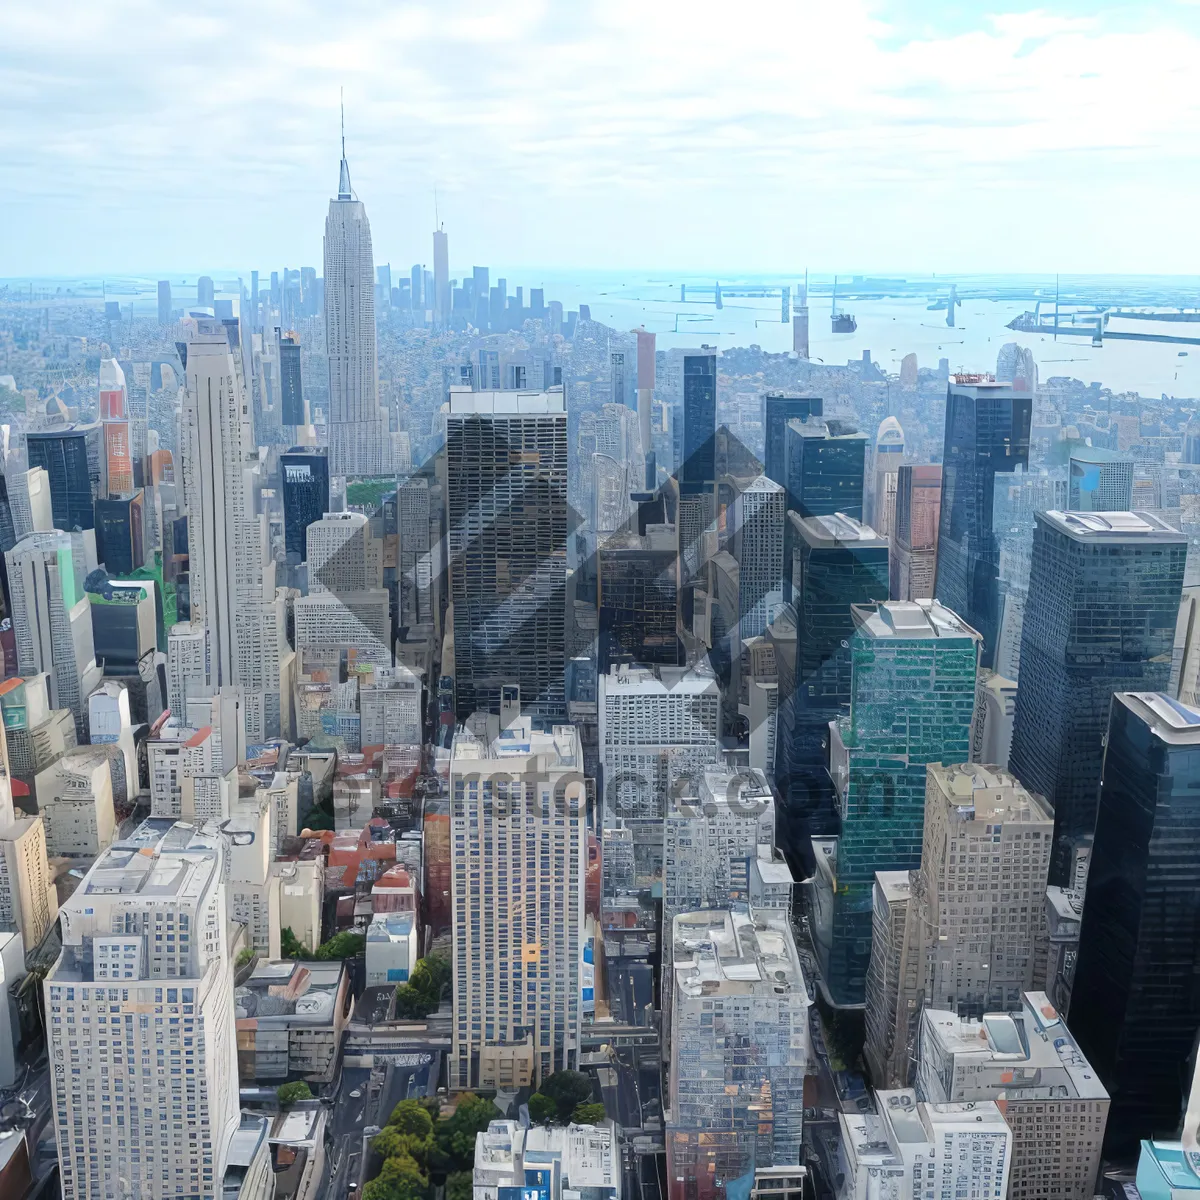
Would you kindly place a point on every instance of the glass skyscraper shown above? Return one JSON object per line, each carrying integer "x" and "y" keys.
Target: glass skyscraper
{"x": 912, "y": 696}
{"x": 1135, "y": 1005}
{"x": 777, "y": 412}
{"x": 987, "y": 433}
{"x": 64, "y": 454}
{"x": 698, "y": 468}
{"x": 823, "y": 468}
{"x": 837, "y": 562}
{"x": 305, "y": 497}
{"x": 1104, "y": 591}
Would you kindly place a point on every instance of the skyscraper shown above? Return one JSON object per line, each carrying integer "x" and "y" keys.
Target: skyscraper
{"x": 506, "y": 479}
{"x": 305, "y": 478}
{"x": 915, "y": 532}
{"x": 823, "y": 467}
{"x": 638, "y": 598}
{"x": 987, "y": 433}
{"x": 164, "y": 302}
{"x": 757, "y": 519}
{"x": 778, "y": 410}
{"x": 645, "y": 401}
{"x": 698, "y": 469}
{"x": 52, "y": 620}
{"x": 63, "y": 453}
{"x": 291, "y": 384}
{"x": 120, "y": 532}
{"x": 919, "y": 660}
{"x": 1134, "y": 1007}
{"x": 1100, "y": 481}
{"x": 885, "y": 466}
{"x": 518, "y": 816}
{"x": 205, "y": 293}
{"x": 146, "y": 1101}
{"x": 1104, "y": 591}
{"x": 358, "y": 427}
{"x": 441, "y": 279}
{"x": 837, "y": 563}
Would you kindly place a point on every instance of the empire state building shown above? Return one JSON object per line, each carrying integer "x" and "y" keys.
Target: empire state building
{"x": 358, "y": 427}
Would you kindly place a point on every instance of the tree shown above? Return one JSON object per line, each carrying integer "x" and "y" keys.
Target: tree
{"x": 568, "y": 1089}
{"x": 455, "y": 1136}
{"x": 341, "y": 945}
{"x": 422, "y": 994}
{"x": 290, "y": 946}
{"x": 289, "y": 1093}
{"x": 542, "y": 1109}
{"x": 243, "y": 957}
{"x": 411, "y": 1119}
{"x": 588, "y": 1114}
{"x": 400, "y": 1179}
{"x": 460, "y": 1185}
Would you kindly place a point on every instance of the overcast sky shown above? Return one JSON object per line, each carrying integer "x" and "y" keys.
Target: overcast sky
{"x": 750, "y": 135}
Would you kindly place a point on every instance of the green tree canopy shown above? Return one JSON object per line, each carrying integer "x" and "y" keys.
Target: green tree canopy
{"x": 289, "y": 1093}
{"x": 290, "y": 946}
{"x": 422, "y": 994}
{"x": 455, "y": 1136}
{"x": 568, "y": 1090}
{"x": 341, "y": 945}
{"x": 400, "y": 1179}
{"x": 460, "y": 1185}
{"x": 588, "y": 1114}
{"x": 542, "y": 1109}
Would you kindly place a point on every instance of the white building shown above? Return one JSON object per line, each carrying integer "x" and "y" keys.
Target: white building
{"x": 739, "y": 1046}
{"x": 145, "y": 979}
{"x": 757, "y": 537}
{"x": 328, "y": 623}
{"x": 578, "y": 1160}
{"x": 342, "y": 554}
{"x": 910, "y": 1150}
{"x": 110, "y": 723}
{"x": 176, "y": 754}
{"x": 358, "y": 427}
{"x": 1027, "y": 1062}
{"x": 518, "y": 823}
{"x": 52, "y": 621}
{"x": 301, "y": 894}
{"x": 391, "y": 949}
{"x": 992, "y": 727}
{"x": 887, "y": 455}
{"x": 416, "y": 563}
{"x": 29, "y": 498}
{"x": 75, "y": 799}
{"x": 389, "y": 707}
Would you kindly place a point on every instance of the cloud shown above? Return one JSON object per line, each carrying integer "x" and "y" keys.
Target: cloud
{"x": 139, "y": 136}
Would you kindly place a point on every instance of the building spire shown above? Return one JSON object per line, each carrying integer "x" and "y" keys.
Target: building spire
{"x": 344, "y": 175}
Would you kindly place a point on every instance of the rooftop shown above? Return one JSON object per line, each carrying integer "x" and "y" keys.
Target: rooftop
{"x": 835, "y": 529}
{"x": 483, "y": 739}
{"x": 910, "y": 619}
{"x": 980, "y": 793}
{"x": 1112, "y": 526}
{"x": 161, "y": 858}
{"x": 627, "y": 680}
{"x": 465, "y": 402}
{"x": 895, "y": 885}
{"x": 286, "y": 992}
{"x": 727, "y": 952}
{"x": 1170, "y": 720}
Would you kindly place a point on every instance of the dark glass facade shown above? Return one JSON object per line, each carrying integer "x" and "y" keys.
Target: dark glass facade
{"x": 305, "y": 478}
{"x": 290, "y": 385}
{"x": 638, "y": 606}
{"x": 777, "y": 412}
{"x": 1135, "y": 1003}
{"x": 698, "y": 467}
{"x": 120, "y": 539}
{"x": 1100, "y": 618}
{"x": 64, "y": 455}
{"x": 823, "y": 468}
{"x": 836, "y": 563}
{"x": 987, "y": 433}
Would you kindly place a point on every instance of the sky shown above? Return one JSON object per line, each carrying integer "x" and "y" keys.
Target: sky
{"x": 141, "y": 137}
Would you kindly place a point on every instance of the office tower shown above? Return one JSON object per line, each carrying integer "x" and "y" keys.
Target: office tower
{"x": 30, "y": 508}
{"x": 915, "y": 532}
{"x": 357, "y": 425}
{"x": 28, "y": 900}
{"x": 836, "y": 563}
{"x": 75, "y": 799}
{"x": 987, "y": 434}
{"x": 1022, "y": 1054}
{"x": 291, "y": 385}
{"x": 415, "y": 563}
{"x": 992, "y": 728}
{"x": 823, "y": 467}
{"x": 697, "y": 469}
{"x": 656, "y": 725}
{"x": 616, "y": 376}
{"x": 231, "y": 574}
{"x": 342, "y": 554}
{"x": 1134, "y": 1011}
{"x": 1100, "y": 481}
{"x": 800, "y": 331}
{"x": 778, "y": 410}
{"x": 974, "y": 924}
{"x": 517, "y": 813}
{"x": 1104, "y": 591}
{"x": 145, "y": 931}
{"x": 120, "y": 532}
{"x": 645, "y": 400}
{"x": 441, "y": 279}
{"x": 638, "y": 598}
{"x": 329, "y": 626}
{"x": 52, "y": 621}
{"x": 112, "y": 390}
{"x": 482, "y": 294}
{"x": 885, "y": 469}
{"x": 739, "y": 1050}
{"x": 914, "y": 1150}
{"x": 205, "y": 297}
{"x": 506, "y": 480}
{"x": 390, "y": 708}
{"x": 63, "y": 453}
{"x": 305, "y": 478}
{"x": 719, "y": 823}
{"x": 164, "y": 301}
{"x": 891, "y": 973}
{"x": 757, "y": 517}
{"x": 923, "y": 657}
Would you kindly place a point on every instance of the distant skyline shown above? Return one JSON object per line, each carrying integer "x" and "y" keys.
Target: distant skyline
{"x": 891, "y": 136}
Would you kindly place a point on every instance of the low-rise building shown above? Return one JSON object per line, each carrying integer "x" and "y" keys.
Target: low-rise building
{"x": 297, "y": 1140}
{"x": 391, "y": 949}
{"x": 75, "y": 799}
{"x": 290, "y": 1016}
{"x": 570, "y": 1161}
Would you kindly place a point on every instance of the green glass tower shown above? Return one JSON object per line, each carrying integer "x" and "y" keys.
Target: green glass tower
{"x": 912, "y": 695}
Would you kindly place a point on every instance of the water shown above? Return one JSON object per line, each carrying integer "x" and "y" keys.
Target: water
{"x": 888, "y": 327}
